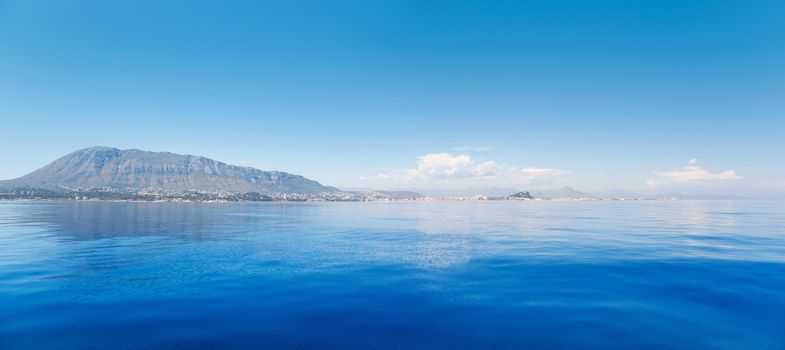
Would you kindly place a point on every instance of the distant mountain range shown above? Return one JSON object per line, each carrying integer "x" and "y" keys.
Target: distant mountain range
{"x": 570, "y": 193}
{"x": 107, "y": 167}
{"x": 560, "y": 193}
{"x": 134, "y": 173}
{"x": 564, "y": 193}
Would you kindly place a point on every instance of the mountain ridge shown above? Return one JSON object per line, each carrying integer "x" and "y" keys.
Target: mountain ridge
{"x": 110, "y": 167}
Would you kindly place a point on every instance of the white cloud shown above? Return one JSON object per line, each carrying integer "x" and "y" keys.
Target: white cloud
{"x": 444, "y": 168}
{"x": 693, "y": 172}
{"x": 441, "y": 166}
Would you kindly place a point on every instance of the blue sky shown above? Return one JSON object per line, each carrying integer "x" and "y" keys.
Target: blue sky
{"x": 409, "y": 94}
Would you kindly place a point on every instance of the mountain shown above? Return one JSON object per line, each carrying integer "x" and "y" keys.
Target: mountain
{"x": 561, "y": 193}
{"x": 521, "y": 195}
{"x": 136, "y": 169}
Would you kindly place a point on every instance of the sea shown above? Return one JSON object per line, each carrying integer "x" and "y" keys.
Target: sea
{"x": 393, "y": 275}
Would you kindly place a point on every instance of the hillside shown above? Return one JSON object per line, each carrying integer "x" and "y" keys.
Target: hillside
{"x": 137, "y": 169}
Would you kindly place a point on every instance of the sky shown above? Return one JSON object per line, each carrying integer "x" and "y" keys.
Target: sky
{"x": 650, "y": 96}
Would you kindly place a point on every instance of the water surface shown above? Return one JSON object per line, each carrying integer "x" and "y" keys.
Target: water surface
{"x": 473, "y": 275}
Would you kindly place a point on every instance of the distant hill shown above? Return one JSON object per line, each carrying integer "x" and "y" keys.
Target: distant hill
{"x": 560, "y": 193}
{"x": 521, "y": 195}
{"x": 136, "y": 169}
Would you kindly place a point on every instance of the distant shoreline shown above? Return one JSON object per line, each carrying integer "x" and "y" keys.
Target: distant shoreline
{"x": 421, "y": 200}
{"x": 159, "y": 195}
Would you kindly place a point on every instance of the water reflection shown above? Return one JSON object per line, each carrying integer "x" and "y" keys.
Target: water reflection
{"x": 502, "y": 275}
{"x": 442, "y": 233}
{"x": 100, "y": 220}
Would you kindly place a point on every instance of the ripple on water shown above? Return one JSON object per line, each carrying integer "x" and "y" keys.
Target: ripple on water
{"x": 501, "y": 275}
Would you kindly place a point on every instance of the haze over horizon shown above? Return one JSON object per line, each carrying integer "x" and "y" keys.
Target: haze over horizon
{"x": 653, "y": 97}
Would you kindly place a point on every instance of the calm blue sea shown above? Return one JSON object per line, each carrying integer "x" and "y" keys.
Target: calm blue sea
{"x": 471, "y": 275}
